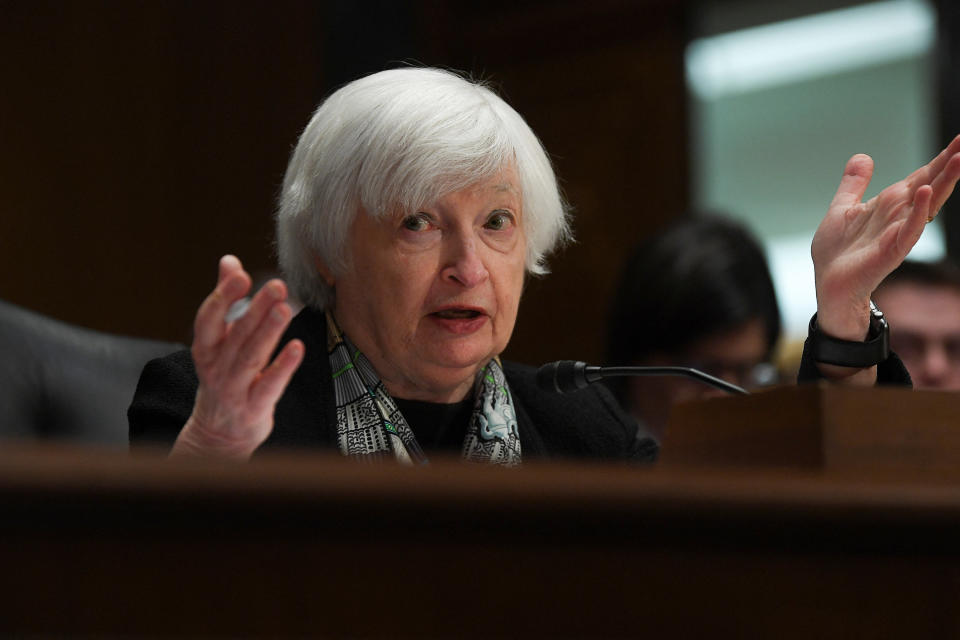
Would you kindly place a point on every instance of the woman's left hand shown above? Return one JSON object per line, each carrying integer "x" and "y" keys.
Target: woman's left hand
{"x": 858, "y": 243}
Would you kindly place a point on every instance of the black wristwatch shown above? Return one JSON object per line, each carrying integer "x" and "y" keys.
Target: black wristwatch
{"x": 846, "y": 353}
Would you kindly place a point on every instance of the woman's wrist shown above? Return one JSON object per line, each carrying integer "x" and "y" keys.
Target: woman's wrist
{"x": 849, "y": 321}
{"x": 197, "y": 442}
{"x": 844, "y": 319}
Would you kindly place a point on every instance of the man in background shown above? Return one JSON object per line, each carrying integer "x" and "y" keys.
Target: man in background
{"x": 921, "y": 301}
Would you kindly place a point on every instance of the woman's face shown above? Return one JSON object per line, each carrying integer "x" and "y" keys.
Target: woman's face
{"x": 431, "y": 296}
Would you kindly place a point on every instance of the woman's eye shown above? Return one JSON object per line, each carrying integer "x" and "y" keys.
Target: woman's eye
{"x": 418, "y": 222}
{"x": 499, "y": 220}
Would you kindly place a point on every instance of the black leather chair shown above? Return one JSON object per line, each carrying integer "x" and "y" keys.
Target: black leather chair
{"x": 67, "y": 383}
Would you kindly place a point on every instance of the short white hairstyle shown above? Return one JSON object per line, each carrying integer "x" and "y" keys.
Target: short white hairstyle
{"x": 400, "y": 140}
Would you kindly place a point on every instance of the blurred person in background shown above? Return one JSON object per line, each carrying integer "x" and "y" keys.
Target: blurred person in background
{"x": 921, "y": 301}
{"x": 698, "y": 294}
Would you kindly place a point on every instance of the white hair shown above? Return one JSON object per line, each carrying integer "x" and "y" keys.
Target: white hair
{"x": 403, "y": 139}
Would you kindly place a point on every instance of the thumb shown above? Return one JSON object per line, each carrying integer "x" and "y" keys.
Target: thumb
{"x": 856, "y": 177}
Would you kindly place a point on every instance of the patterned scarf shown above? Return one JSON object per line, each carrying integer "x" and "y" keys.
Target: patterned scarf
{"x": 369, "y": 425}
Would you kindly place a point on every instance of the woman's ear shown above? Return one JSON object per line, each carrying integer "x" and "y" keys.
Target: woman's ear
{"x": 324, "y": 271}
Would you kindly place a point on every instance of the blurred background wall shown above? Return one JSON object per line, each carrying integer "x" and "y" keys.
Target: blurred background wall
{"x": 139, "y": 141}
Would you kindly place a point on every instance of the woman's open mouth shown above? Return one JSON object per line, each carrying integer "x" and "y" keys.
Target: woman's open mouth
{"x": 459, "y": 320}
{"x": 457, "y": 314}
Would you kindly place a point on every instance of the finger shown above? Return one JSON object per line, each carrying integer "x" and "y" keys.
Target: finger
{"x": 922, "y": 200}
{"x": 245, "y": 332}
{"x": 254, "y": 354}
{"x": 238, "y": 365}
{"x": 265, "y": 393}
{"x": 856, "y": 178}
{"x": 228, "y": 265}
{"x": 944, "y": 183}
{"x": 209, "y": 327}
{"x": 929, "y": 172}
{"x": 912, "y": 228}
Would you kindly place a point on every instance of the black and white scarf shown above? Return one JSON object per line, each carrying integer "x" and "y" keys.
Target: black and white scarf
{"x": 370, "y": 425}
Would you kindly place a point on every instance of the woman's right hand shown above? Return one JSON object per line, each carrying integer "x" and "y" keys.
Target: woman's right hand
{"x": 239, "y": 386}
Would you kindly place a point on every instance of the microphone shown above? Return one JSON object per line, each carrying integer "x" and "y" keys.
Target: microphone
{"x": 569, "y": 375}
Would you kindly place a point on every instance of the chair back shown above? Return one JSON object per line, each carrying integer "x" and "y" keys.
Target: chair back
{"x": 63, "y": 382}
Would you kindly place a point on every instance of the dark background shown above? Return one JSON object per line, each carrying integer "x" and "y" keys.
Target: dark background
{"x": 142, "y": 140}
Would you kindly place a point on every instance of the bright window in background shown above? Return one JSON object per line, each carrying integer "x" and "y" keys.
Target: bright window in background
{"x": 776, "y": 111}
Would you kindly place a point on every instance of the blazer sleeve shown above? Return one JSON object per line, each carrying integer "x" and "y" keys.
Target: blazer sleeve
{"x": 163, "y": 400}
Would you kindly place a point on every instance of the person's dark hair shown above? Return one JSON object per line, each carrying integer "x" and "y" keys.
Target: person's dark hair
{"x": 942, "y": 273}
{"x": 699, "y": 277}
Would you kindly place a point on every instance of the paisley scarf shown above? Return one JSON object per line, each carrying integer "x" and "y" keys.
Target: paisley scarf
{"x": 370, "y": 426}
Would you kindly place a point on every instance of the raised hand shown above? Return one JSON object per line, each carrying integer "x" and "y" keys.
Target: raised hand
{"x": 239, "y": 386}
{"x": 858, "y": 243}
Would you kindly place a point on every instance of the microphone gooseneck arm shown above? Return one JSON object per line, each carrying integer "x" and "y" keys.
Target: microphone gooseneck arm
{"x": 689, "y": 372}
{"x": 570, "y": 375}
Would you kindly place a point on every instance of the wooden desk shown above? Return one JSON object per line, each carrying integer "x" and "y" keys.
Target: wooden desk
{"x": 819, "y": 427}
{"x": 101, "y": 544}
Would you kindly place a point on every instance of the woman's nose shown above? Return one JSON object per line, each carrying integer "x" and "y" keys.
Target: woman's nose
{"x": 463, "y": 262}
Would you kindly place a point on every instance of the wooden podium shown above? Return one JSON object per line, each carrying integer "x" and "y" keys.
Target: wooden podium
{"x": 819, "y": 427}
{"x": 99, "y": 544}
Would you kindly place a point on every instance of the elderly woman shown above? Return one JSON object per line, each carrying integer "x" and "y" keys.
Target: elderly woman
{"x": 413, "y": 206}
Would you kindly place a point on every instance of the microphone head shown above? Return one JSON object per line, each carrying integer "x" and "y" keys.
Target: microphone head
{"x": 563, "y": 376}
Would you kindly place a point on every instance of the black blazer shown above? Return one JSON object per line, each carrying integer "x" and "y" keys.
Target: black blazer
{"x": 585, "y": 424}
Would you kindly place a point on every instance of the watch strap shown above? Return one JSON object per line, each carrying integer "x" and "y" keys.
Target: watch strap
{"x": 849, "y": 353}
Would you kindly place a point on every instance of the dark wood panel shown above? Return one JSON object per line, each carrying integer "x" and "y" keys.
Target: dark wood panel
{"x": 819, "y": 427}
{"x": 140, "y": 142}
{"x": 143, "y": 140}
{"x": 102, "y": 544}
